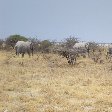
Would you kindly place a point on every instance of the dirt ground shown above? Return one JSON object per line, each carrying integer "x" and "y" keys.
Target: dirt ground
{"x": 46, "y": 83}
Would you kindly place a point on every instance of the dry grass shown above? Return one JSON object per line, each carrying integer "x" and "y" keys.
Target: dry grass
{"x": 46, "y": 83}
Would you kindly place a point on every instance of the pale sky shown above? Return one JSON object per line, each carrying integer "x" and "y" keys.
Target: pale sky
{"x": 88, "y": 20}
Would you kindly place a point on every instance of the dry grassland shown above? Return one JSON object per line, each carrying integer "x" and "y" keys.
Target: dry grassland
{"x": 46, "y": 83}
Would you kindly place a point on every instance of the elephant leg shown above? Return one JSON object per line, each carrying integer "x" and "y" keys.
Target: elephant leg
{"x": 23, "y": 55}
{"x": 17, "y": 52}
{"x": 28, "y": 53}
{"x": 32, "y": 52}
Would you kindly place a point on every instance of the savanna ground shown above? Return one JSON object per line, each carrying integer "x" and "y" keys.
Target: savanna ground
{"x": 46, "y": 83}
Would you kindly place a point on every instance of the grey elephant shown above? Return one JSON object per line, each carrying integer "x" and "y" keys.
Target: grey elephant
{"x": 22, "y": 47}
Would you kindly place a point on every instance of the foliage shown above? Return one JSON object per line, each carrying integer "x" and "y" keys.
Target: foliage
{"x": 44, "y": 45}
{"x": 71, "y": 41}
{"x": 92, "y": 46}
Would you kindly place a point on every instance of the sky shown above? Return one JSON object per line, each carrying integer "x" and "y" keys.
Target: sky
{"x": 88, "y": 20}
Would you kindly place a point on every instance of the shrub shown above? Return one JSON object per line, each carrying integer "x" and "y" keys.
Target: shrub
{"x": 70, "y": 42}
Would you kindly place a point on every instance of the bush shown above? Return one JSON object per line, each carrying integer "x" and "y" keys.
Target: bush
{"x": 70, "y": 42}
{"x": 92, "y": 46}
{"x": 44, "y": 45}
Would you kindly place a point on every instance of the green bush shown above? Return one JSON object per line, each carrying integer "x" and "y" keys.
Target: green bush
{"x": 44, "y": 45}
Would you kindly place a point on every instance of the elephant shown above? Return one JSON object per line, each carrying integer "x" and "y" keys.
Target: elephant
{"x": 23, "y": 47}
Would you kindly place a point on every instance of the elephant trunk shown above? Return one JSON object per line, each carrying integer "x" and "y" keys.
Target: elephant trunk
{"x": 32, "y": 48}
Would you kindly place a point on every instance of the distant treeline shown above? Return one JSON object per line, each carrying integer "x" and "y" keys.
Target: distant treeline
{"x": 39, "y": 45}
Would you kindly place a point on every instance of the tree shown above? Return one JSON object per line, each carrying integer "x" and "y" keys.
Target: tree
{"x": 93, "y": 46}
{"x": 70, "y": 41}
{"x": 11, "y": 40}
{"x": 44, "y": 45}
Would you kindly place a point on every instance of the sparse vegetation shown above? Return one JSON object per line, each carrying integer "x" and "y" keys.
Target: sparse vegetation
{"x": 70, "y": 41}
{"x": 46, "y": 83}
